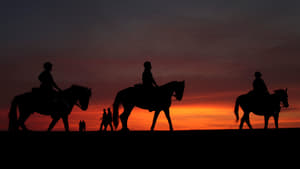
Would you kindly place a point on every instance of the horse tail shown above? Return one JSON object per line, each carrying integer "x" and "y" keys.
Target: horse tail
{"x": 236, "y": 108}
{"x": 12, "y": 115}
{"x": 116, "y": 105}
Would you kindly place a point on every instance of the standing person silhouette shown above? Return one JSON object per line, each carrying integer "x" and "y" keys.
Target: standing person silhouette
{"x": 82, "y": 126}
{"x": 109, "y": 120}
{"x": 148, "y": 80}
{"x": 47, "y": 83}
{"x": 104, "y": 120}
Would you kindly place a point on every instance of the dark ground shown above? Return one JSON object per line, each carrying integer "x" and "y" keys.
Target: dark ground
{"x": 197, "y": 138}
{"x": 210, "y": 147}
{"x": 203, "y": 134}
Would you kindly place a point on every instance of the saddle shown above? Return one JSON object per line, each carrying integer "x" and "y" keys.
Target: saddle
{"x": 260, "y": 101}
{"x": 50, "y": 101}
{"x": 147, "y": 96}
{"x": 145, "y": 90}
{"x": 45, "y": 97}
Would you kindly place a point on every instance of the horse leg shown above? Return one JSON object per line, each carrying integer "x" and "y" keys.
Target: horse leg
{"x": 124, "y": 116}
{"x": 266, "y": 121}
{"x": 111, "y": 127}
{"x": 101, "y": 126}
{"x": 23, "y": 117}
{"x": 52, "y": 124}
{"x": 276, "y": 116}
{"x": 247, "y": 120}
{"x": 243, "y": 118}
{"x": 154, "y": 119}
{"x": 105, "y": 127}
{"x": 242, "y": 121}
{"x": 66, "y": 122}
{"x": 167, "y": 113}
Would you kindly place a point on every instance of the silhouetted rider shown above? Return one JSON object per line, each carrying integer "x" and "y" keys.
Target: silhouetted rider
{"x": 259, "y": 86}
{"x": 148, "y": 80}
{"x": 47, "y": 83}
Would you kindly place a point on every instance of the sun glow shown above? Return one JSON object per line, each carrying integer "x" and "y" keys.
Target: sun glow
{"x": 183, "y": 117}
{"x": 189, "y": 117}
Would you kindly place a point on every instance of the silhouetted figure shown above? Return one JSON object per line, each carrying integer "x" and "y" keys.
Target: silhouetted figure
{"x": 106, "y": 120}
{"x": 103, "y": 119}
{"x": 82, "y": 126}
{"x": 148, "y": 80}
{"x": 149, "y": 85}
{"x": 160, "y": 100}
{"x": 109, "y": 120}
{"x": 260, "y": 92}
{"x": 28, "y": 103}
{"x": 260, "y": 102}
{"x": 259, "y": 86}
{"x": 48, "y": 88}
{"x": 47, "y": 82}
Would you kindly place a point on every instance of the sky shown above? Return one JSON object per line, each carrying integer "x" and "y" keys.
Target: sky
{"x": 214, "y": 45}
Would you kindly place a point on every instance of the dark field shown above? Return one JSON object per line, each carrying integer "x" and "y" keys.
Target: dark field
{"x": 209, "y": 136}
{"x": 194, "y": 147}
{"x": 199, "y": 134}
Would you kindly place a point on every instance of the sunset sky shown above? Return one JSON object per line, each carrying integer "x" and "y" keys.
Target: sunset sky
{"x": 215, "y": 46}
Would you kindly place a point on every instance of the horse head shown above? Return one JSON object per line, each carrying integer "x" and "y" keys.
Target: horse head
{"x": 283, "y": 96}
{"x": 179, "y": 89}
{"x": 83, "y": 96}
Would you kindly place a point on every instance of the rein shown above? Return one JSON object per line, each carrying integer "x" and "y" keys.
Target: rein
{"x": 78, "y": 105}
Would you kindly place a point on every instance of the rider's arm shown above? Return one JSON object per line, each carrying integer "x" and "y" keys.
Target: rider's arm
{"x": 54, "y": 84}
{"x": 153, "y": 81}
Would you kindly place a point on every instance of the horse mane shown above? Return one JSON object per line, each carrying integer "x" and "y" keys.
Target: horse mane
{"x": 77, "y": 86}
{"x": 169, "y": 84}
{"x": 278, "y": 91}
{"x": 79, "y": 89}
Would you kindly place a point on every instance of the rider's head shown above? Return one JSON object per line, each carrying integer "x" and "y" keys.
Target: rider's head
{"x": 147, "y": 65}
{"x": 257, "y": 74}
{"x": 48, "y": 66}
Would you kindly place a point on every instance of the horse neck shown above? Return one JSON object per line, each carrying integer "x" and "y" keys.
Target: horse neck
{"x": 170, "y": 87}
{"x": 276, "y": 98}
{"x": 69, "y": 96}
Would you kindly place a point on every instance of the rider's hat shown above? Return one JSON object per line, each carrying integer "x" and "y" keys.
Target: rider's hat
{"x": 147, "y": 64}
{"x": 47, "y": 65}
{"x": 257, "y": 74}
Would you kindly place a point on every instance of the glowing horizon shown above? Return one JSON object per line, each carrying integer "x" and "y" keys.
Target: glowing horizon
{"x": 184, "y": 117}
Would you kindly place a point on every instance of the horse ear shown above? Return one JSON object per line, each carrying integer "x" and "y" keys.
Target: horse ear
{"x": 286, "y": 89}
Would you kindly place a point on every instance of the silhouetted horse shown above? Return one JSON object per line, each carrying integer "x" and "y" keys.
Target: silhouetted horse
{"x": 29, "y": 103}
{"x": 156, "y": 99}
{"x": 268, "y": 106}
